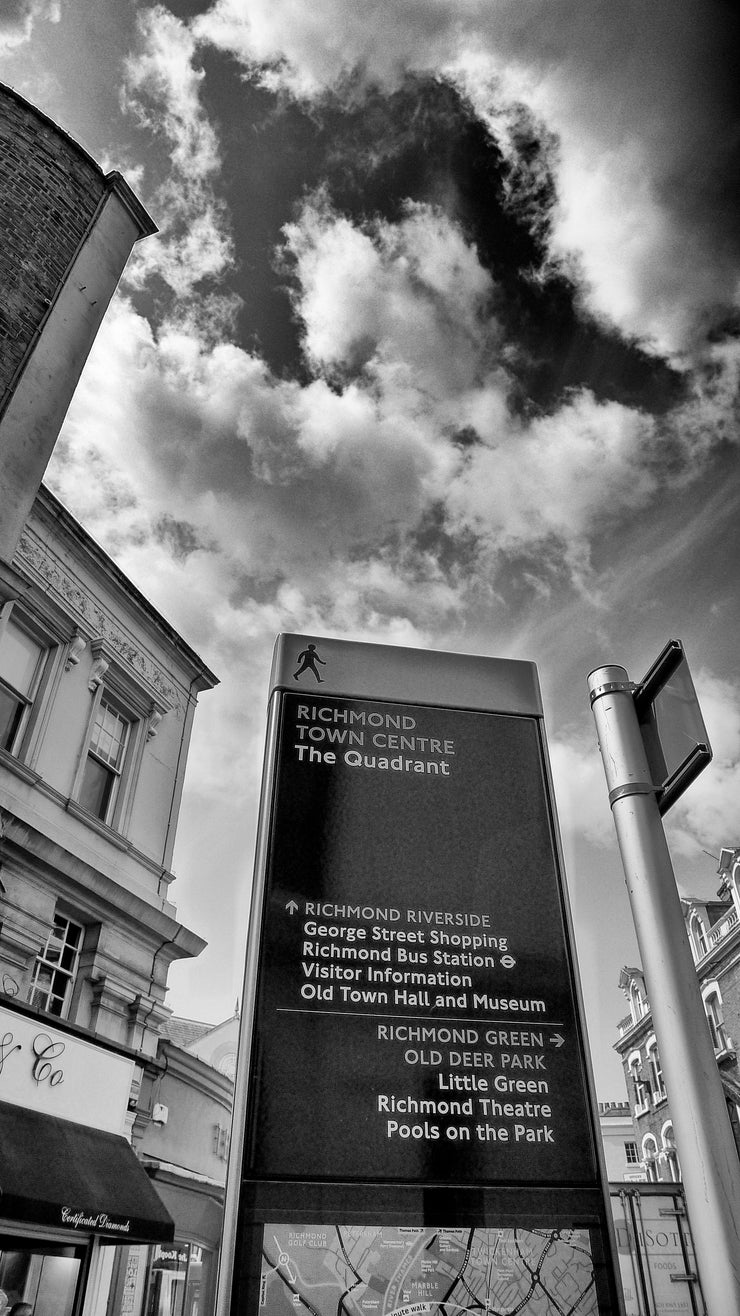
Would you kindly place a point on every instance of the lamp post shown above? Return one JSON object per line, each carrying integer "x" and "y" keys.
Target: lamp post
{"x": 709, "y": 1158}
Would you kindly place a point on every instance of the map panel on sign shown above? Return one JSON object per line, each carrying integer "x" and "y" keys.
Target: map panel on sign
{"x": 383, "y": 1271}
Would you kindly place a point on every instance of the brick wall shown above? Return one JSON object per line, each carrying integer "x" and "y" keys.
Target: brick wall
{"x": 49, "y": 190}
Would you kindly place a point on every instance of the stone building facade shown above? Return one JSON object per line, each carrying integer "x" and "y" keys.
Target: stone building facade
{"x": 713, "y": 931}
{"x": 97, "y": 699}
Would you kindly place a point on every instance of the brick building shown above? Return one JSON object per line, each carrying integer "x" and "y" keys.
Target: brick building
{"x": 713, "y": 930}
{"x": 67, "y": 230}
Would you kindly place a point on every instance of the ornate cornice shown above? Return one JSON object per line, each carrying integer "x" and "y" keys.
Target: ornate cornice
{"x": 92, "y": 618}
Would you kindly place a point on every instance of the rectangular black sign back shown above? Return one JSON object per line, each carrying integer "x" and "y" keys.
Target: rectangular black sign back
{"x": 412, "y": 1059}
{"x": 415, "y": 1015}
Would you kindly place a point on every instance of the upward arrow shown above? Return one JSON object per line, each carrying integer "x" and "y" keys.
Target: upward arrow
{"x": 291, "y": 907}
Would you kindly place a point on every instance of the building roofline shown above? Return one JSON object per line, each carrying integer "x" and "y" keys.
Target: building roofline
{"x": 69, "y": 523}
{"x": 114, "y": 181}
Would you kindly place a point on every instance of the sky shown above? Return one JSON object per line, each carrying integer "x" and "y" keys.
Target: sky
{"x": 438, "y": 345}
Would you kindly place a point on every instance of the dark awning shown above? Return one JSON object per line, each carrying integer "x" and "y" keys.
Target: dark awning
{"x": 54, "y": 1172}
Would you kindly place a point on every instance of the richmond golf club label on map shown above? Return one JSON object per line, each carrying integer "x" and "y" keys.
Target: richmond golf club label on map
{"x": 415, "y": 1013}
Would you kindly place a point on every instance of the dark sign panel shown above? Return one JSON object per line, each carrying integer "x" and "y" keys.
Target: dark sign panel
{"x": 672, "y": 726}
{"x": 413, "y": 1125}
{"x": 415, "y": 1014}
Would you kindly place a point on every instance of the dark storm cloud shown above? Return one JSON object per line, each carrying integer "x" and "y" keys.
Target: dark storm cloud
{"x": 642, "y": 101}
{"x": 423, "y": 142}
{"x": 179, "y": 536}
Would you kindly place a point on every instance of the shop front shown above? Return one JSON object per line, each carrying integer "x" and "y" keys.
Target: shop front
{"x": 176, "y": 1278}
{"x": 72, "y": 1191}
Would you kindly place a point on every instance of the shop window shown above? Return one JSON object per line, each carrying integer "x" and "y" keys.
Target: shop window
{"x": 106, "y": 755}
{"x": 56, "y": 966}
{"x": 44, "y": 1275}
{"x": 22, "y": 657}
{"x": 179, "y": 1280}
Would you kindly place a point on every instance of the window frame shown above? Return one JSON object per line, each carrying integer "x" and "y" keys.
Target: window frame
{"x": 715, "y": 1017}
{"x": 642, "y": 1089}
{"x": 113, "y": 771}
{"x": 41, "y": 962}
{"x": 670, "y": 1151}
{"x": 115, "y": 814}
{"x": 650, "y": 1157}
{"x": 699, "y": 937}
{"x": 110, "y": 684}
{"x": 638, "y": 1000}
{"x": 631, "y": 1153}
{"x": 658, "y": 1092}
{"x": 32, "y": 702}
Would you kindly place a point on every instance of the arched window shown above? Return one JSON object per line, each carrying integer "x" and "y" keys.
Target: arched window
{"x": 638, "y": 1000}
{"x": 669, "y": 1155}
{"x": 642, "y": 1087}
{"x": 699, "y": 936}
{"x": 650, "y": 1157}
{"x": 655, "y": 1069}
{"x": 715, "y": 1018}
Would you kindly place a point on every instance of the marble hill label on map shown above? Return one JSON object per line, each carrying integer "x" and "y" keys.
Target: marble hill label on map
{"x": 415, "y": 1015}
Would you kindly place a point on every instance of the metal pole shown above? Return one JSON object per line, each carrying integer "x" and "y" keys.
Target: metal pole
{"x": 709, "y": 1158}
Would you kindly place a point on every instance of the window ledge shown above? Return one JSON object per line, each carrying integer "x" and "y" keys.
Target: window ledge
{"x": 97, "y": 825}
{"x": 14, "y": 765}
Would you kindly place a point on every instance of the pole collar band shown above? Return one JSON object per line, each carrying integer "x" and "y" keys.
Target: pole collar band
{"x": 627, "y": 687}
{"x": 632, "y": 788}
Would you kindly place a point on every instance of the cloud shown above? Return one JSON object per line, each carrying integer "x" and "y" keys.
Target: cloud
{"x": 18, "y": 18}
{"x": 642, "y": 103}
{"x": 161, "y": 81}
{"x": 557, "y": 480}
{"x": 162, "y": 91}
{"x": 580, "y": 790}
{"x": 392, "y": 488}
{"x": 706, "y": 817}
{"x": 412, "y": 294}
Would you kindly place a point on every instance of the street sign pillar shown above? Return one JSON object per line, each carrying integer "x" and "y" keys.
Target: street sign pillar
{"x": 709, "y": 1158}
{"x": 415, "y": 1124}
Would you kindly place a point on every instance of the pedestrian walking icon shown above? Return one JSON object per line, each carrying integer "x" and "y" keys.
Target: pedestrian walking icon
{"x": 307, "y": 663}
